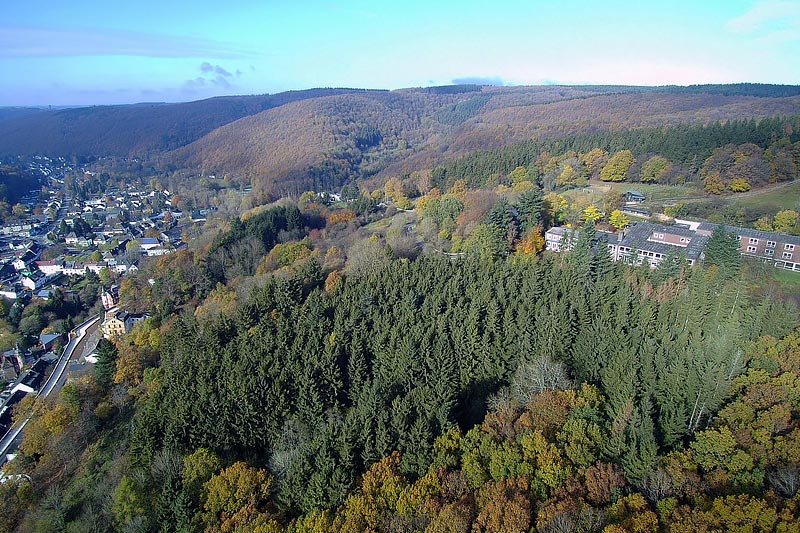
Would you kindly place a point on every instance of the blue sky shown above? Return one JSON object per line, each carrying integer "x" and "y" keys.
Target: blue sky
{"x": 98, "y": 52}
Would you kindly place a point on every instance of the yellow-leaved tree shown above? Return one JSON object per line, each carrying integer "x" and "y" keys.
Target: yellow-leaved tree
{"x": 618, "y": 219}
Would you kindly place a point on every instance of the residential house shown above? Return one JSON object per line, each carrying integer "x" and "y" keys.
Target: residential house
{"x": 24, "y": 260}
{"x": 49, "y": 340}
{"x": 50, "y": 268}
{"x": 173, "y": 236}
{"x": 112, "y": 326}
{"x": 45, "y": 294}
{"x": 34, "y": 281}
{"x": 119, "y": 322}
{"x": 71, "y": 239}
{"x": 9, "y": 291}
{"x": 71, "y": 268}
{"x": 157, "y": 251}
{"x": 148, "y": 243}
{"x": 131, "y": 319}
{"x": 110, "y": 297}
{"x": 33, "y": 378}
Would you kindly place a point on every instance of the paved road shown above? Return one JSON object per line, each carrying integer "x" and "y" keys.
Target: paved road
{"x": 86, "y": 343}
{"x": 78, "y": 339}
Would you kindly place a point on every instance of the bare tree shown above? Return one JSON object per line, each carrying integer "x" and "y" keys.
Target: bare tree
{"x": 785, "y": 479}
{"x": 539, "y": 375}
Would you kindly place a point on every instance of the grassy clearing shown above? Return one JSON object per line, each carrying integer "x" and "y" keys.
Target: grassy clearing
{"x": 382, "y": 225}
{"x": 787, "y": 278}
{"x": 655, "y": 193}
{"x": 772, "y": 201}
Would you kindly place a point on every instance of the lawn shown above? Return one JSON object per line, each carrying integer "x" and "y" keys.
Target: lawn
{"x": 772, "y": 201}
{"x": 654, "y": 193}
{"x": 787, "y": 277}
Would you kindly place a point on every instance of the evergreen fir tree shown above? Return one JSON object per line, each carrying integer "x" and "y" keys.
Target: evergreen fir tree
{"x": 722, "y": 251}
{"x": 106, "y": 364}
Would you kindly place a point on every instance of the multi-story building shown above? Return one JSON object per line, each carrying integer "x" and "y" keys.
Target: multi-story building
{"x": 778, "y": 248}
{"x": 560, "y": 239}
{"x": 118, "y": 323}
{"x": 652, "y": 243}
{"x": 113, "y": 326}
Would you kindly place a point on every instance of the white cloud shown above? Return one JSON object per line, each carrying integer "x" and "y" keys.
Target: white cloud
{"x": 769, "y": 16}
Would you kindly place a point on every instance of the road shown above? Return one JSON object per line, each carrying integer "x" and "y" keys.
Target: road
{"x": 58, "y": 372}
{"x": 78, "y": 339}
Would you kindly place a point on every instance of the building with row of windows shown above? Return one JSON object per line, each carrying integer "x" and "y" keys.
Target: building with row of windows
{"x": 652, "y": 243}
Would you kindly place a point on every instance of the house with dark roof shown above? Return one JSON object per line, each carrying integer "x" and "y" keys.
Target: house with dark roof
{"x": 34, "y": 281}
{"x": 33, "y": 378}
{"x": 25, "y": 260}
{"x": 48, "y": 340}
{"x": 633, "y": 195}
{"x": 110, "y": 297}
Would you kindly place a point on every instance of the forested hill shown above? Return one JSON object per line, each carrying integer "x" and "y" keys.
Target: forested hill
{"x": 475, "y": 394}
{"x": 321, "y": 138}
{"x": 321, "y": 143}
{"x": 130, "y": 129}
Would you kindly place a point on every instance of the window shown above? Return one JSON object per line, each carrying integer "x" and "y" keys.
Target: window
{"x": 658, "y": 235}
{"x": 770, "y": 244}
{"x": 684, "y": 239}
{"x": 769, "y": 252}
{"x": 789, "y": 247}
{"x": 753, "y": 241}
{"x": 787, "y": 255}
{"x": 751, "y": 249}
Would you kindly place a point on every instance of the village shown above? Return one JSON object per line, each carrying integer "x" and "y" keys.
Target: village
{"x": 62, "y": 255}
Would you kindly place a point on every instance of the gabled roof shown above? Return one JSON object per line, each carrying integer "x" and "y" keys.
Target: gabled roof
{"x": 47, "y": 338}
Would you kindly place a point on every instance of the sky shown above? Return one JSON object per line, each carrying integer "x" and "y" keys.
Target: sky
{"x": 85, "y": 52}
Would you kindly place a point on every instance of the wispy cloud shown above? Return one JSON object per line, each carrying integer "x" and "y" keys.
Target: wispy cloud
{"x": 771, "y": 21}
{"x": 47, "y": 42}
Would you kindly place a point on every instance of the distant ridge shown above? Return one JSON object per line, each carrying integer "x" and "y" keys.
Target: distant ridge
{"x": 318, "y": 139}
{"x": 135, "y": 129}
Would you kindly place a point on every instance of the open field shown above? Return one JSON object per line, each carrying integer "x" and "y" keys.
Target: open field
{"x": 766, "y": 200}
{"x": 657, "y": 195}
{"x": 772, "y": 200}
{"x": 656, "y": 192}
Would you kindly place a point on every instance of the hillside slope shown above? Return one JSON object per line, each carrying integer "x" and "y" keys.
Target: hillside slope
{"x": 138, "y": 129}
{"x": 321, "y": 138}
{"x": 321, "y": 143}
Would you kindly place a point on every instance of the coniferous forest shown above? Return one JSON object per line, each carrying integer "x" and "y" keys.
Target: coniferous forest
{"x": 474, "y": 393}
{"x": 390, "y": 347}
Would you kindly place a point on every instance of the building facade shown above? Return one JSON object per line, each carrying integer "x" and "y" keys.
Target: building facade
{"x": 649, "y": 243}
